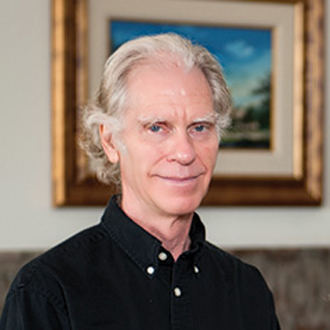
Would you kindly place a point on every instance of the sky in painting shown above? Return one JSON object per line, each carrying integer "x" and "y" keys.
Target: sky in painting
{"x": 244, "y": 53}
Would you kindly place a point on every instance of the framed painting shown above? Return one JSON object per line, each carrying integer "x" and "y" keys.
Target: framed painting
{"x": 272, "y": 53}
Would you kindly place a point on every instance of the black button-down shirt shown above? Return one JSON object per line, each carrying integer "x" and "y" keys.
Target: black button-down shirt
{"x": 117, "y": 276}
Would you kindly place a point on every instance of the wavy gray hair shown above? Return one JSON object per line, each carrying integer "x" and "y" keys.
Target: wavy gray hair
{"x": 109, "y": 105}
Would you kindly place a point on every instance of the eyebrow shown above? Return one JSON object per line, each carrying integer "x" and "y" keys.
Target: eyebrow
{"x": 209, "y": 118}
{"x": 143, "y": 120}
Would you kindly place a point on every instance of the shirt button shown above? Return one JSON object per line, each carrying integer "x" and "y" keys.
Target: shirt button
{"x": 196, "y": 269}
{"x": 162, "y": 256}
{"x": 177, "y": 292}
{"x": 150, "y": 270}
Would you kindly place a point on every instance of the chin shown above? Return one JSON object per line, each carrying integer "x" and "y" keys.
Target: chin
{"x": 182, "y": 205}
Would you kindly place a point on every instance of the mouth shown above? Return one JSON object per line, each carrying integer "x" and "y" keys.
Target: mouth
{"x": 179, "y": 180}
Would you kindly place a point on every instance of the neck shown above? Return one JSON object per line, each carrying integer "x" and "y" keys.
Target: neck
{"x": 174, "y": 235}
{"x": 172, "y": 231}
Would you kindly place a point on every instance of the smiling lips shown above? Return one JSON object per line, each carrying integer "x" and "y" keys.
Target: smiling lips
{"x": 178, "y": 179}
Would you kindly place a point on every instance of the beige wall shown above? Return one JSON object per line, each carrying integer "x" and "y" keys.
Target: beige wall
{"x": 27, "y": 219}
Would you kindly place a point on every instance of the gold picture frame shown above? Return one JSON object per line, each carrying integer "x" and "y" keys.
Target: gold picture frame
{"x": 74, "y": 186}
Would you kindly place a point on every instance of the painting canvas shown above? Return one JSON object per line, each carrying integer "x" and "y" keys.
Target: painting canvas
{"x": 246, "y": 57}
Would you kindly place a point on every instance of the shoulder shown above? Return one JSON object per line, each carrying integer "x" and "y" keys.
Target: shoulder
{"x": 236, "y": 271}
{"x": 50, "y": 268}
{"x": 227, "y": 259}
{"x": 244, "y": 284}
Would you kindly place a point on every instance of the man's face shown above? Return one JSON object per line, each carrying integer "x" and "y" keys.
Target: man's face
{"x": 170, "y": 140}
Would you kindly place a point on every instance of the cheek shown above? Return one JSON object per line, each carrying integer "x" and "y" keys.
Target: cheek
{"x": 209, "y": 155}
{"x": 139, "y": 161}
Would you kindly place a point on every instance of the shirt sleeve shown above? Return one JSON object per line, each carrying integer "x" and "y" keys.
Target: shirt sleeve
{"x": 30, "y": 310}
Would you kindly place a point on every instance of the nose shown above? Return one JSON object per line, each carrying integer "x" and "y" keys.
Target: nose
{"x": 182, "y": 149}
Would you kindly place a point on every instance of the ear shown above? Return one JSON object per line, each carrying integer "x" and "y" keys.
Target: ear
{"x": 108, "y": 144}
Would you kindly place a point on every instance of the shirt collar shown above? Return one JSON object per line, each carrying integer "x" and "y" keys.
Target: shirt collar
{"x": 142, "y": 247}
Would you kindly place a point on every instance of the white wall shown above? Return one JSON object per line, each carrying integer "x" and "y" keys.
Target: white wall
{"x": 27, "y": 218}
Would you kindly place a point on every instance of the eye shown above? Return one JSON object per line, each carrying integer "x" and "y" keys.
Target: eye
{"x": 155, "y": 128}
{"x": 200, "y": 128}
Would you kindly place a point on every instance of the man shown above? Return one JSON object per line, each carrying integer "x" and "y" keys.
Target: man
{"x": 154, "y": 129}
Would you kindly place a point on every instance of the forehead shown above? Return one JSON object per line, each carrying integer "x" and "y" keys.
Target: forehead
{"x": 153, "y": 86}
